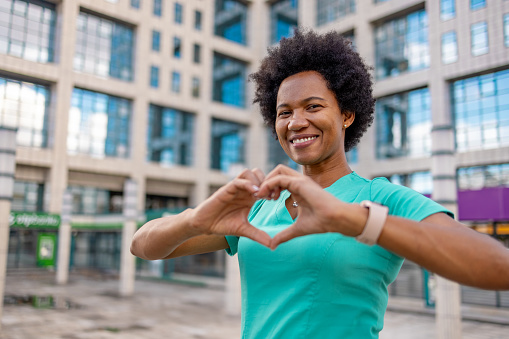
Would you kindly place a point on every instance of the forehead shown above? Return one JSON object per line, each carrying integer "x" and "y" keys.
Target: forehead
{"x": 303, "y": 85}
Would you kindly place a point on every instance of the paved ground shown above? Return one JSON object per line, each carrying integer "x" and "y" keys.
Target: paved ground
{"x": 88, "y": 307}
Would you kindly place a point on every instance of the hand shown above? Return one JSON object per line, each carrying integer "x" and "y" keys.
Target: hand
{"x": 226, "y": 211}
{"x": 319, "y": 211}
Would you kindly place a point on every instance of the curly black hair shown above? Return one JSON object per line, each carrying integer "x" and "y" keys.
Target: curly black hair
{"x": 332, "y": 56}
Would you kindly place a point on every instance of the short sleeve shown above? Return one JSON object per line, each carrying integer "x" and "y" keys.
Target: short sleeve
{"x": 403, "y": 201}
{"x": 233, "y": 242}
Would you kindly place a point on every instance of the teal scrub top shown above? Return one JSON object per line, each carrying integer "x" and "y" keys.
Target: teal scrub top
{"x": 321, "y": 285}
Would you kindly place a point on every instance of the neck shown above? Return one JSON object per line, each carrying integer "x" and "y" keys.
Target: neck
{"x": 326, "y": 175}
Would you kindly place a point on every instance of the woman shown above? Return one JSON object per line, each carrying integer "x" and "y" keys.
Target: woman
{"x": 317, "y": 250}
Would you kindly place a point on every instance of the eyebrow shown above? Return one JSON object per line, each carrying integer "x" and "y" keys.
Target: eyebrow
{"x": 301, "y": 102}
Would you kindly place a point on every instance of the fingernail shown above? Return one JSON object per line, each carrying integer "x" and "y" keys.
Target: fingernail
{"x": 256, "y": 188}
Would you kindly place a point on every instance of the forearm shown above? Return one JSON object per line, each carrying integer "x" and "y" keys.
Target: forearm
{"x": 452, "y": 251}
{"x": 158, "y": 238}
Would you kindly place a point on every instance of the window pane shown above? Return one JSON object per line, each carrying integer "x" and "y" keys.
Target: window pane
{"x": 283, "y": 19}
{"x": 447, "y": 9}
{"x": 229, "y": 78}
{"x": 449, "y": 48}
{"x": 230, "y": 20}
{"x": 228, "y": 144}
{"x": 401, "y": 45}
{"x": 332, "y": 10}
{"x": 99, "y": 125}
{"x": 479, "y": 35}
{"x": 170, "y": 136}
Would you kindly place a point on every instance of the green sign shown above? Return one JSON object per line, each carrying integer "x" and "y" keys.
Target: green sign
{"x": 34, "y": 220}
{"x": 46, "y": 249}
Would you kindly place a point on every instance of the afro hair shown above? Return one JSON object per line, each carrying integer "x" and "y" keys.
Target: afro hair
{"x": 332, "y": 56}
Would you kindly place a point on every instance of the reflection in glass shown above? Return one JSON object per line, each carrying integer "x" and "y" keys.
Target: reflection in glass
{"x": 230, "y": 20}
{"x": 229, "y": 78}
{"x": 401, "y": 45}
{"x": 404, "y": 125}
{"x": 25, "y": 106}
{"x": 228, "y": 144}
{"x": 170, "y": 136}
{"x": 99, "y": 124}
{"x": 283, "y": 19}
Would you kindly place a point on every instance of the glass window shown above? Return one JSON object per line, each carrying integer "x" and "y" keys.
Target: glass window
{"x": 175, "y": 82}
{"x": 178, "y": 13}
{"x": 479, "y": 34}
{"x": 477, "y": 4}
{"x": 478, "y": 177}
{"x": 404, "y": 125}
{"x": 135, "y": 4}
{"x": 481, "y": 111}
{"x": 401, "y": 45}
{"x": 25, "y": 106}
{"x": 449, "y": 47}
{"x": 196, "y": 53}
{"x": 229, "y": 81}
{"x": 156, "y": 41}
{"x": 154, "y": 76}
{"x": 197, "y": 20}
{"x": 27, "y": 29}
{"x": 421, "y": 182}
{"x": 228, "y": 144}
{"x": 177, "y": 47}
{"x": 195, "y": 91}
{"x": 27, "y": 196}
{"x": 92, "y": 200}
{"x": 447, "y": 9}
{"x": 332, "y": 10}
{"x": 99, "y": 125}
{"x": 283, "y": 19}
{"x": 230, "y": 20}
{"x": 506, "y": 30}
{"x": 157, "y": 7}
{"x": 170, "y": 136}
{"x": 104, "y": 47}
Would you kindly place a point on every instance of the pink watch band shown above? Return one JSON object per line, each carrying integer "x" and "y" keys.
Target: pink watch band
{"x": 376, "y": 221}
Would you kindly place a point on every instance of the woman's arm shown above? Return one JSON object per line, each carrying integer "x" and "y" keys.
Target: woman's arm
{"x": 202, "y": 229}
{"x": 438, "y": 243}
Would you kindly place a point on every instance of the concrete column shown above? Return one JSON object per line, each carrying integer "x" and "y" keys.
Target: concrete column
{"x": 64, "y": 240}
{"x": 7, "y": 167}
{"x": 127, "y": 260}
{"x": 233, "y": 288}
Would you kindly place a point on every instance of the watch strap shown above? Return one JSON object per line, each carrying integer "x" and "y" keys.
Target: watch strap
{"x": 375, "y": 223}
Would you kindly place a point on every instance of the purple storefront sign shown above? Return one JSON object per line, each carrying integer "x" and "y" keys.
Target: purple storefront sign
{"x": 487, "y": 204}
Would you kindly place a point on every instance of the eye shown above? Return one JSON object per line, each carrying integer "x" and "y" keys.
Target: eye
{"x": 314, "y": 107}
{"x": 283, "y": 113}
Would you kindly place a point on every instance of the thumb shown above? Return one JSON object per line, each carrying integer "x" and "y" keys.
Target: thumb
{"x": 285, "y": 235}
{"x": 255, "y": 234}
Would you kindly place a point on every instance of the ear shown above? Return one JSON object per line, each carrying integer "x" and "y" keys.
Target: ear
{"x": 349, "y": 117}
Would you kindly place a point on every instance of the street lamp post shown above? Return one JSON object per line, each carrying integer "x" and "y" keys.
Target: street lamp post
{"x": 7, "y": 167}
{"x": 64, "y": 240}
{"x": 127, "y": 260}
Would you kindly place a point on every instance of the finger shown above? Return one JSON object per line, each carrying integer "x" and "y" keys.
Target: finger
{"x": 281, "y": 169}
{"x": 276, "y": 184}
{"x": 241, "y": 184}
{"x": 284, "y": 236}
{"x": 250, "y": 175}
{"x": 255, "y": 234}
{"x": 259, "y": 174}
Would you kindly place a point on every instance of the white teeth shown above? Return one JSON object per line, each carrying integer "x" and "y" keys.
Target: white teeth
{"x": 299, "y": 141}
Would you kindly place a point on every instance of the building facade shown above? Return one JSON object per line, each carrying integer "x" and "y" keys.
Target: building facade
{"x": 156, "y": 91}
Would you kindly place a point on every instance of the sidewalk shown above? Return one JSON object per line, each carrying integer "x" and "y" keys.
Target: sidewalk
{"x": 89, "y": 307}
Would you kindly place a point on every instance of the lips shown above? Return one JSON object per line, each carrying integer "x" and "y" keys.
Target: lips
{"x": 302, "y": 140}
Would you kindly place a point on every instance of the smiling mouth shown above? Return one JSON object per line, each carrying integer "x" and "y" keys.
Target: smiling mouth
{"x": 300, "y": 141}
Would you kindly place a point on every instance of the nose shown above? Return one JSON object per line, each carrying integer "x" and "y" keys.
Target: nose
{"x": 298, "y": 120}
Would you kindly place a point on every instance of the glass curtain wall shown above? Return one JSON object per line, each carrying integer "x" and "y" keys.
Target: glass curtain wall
{"x": 228, "y": 144}
{"x": 421, "y": 182}
{"x": 27, "y": 196}
{"x": 283, "y": 19}
{"x": 27, "y": 29}
{"x": 403, "y": 123}
{"x": 99, "y": 125}
{"x": 478, "y": 177}
{"x": 170, "y": 136}
{"x": 481, "y": 111}
{"x": 229, "y": 81}
{"x": 25, "y": 105}
{"x": 332, "y": 10}
{"x": 230, "y": 20}
{"x": 401, "y": 45}
{"x": 89, "y": 200}
{"x": 104, "y": 47}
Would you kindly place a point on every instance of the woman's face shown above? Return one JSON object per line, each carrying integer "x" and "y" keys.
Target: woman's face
{"x": 309, "y": 123}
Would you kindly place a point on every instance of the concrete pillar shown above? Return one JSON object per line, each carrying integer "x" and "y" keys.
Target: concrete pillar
{"x": 233, "y": 288}
{"x": 64, "y": 240}
{"x": 7, "y": 167}
{"x": 127, "y": 260}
